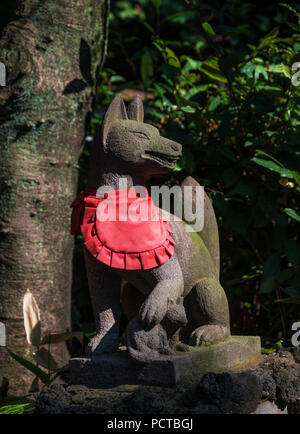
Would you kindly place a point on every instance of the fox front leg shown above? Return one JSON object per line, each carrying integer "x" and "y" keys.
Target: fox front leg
{"x": 145, "y": 344}
{"x": 169, "y": 287}
{"x": 154, "y": 309}
{"x": 209, "y": 310}
{"x": 105, "y": 296}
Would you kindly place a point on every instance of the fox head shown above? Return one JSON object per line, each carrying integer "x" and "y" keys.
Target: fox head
{"x": 131, "y": 145}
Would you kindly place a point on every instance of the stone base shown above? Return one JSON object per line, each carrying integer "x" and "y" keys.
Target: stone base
{"x": 110, "y": 370}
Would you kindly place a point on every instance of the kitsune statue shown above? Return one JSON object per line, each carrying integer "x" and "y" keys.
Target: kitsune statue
{"x": 165, "y": 277}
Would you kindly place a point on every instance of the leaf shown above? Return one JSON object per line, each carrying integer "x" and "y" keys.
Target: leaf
{"x": 284, "y": 275}
{"x": 292, "y": 213}
{"x": 211, "y": 68}
{"x": 271, "y": 165}
{"x": 31, "y": 367}
{"x": 267, "y": 40}
{"x": 280, "y": 69}
{"x": 292, "y": 291}
{"x": 296, "y": 176}
{"x": 293, "y": 251}
{"x": 178, "y": 17}
{"x": 191, "y": 64}
{"x": 208, "y": 29}
{"x": 271, "y": 265}
{"x": 267, "y": 285}
{"x": 16, "y": 408}
{"x": 148, "y": 27}
{"x": 45, "y": 359}
{"x": 16, "y": 405}
{"x": 214, "y": 103}
{"x": 188, "y": 160}
{"x": 289, "y": 300}
{"x": 35, "y": 385}
{"x": 31, "y": 315}
{"x": 177, "y": 168}
{"x": 60, "y": 371}
{"x": 268, "y": 350}
{"x": 272, "y": 91}
{"x": 259, "y": 152}
{"x": 156, "y": 3}
{"x": 146, "y": 66}
{"x": 116, "y": 79}
{"x": 260, "y": 70}
{"x": 285, "y": 5}
{"x": 248, "y": 69}
{"x": 188, "y": 109}
{"x": 293, "y": 26}
{"x": 55, "y": 338}
{"x": 171, "y": 58}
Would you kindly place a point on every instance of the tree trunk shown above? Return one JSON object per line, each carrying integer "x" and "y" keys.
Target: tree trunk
{"x": 52, "y": 50}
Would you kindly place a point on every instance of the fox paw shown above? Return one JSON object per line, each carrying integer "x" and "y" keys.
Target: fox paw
{"x": 209, "y": 334}
{"x": 153, "y": 310}
{"x": 101, "y": 344}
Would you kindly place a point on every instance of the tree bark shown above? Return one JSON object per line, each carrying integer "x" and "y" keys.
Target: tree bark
{"x": 52, "y": 50}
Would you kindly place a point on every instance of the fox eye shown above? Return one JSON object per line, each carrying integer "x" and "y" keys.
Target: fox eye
{"x": 140, "y": 134}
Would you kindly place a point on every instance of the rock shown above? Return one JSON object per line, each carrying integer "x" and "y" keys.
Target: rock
{"x": 53, "y": 400}
{"x": 247, "y": 392}
{"x": 286, "y": 374}
{"x": 268, "y": 407}
{"x": 288, "y": 385}
{"x": 295, "y": 351}
{"x": 141, "y": 401}
{"x": 231, "y": 393}
{"x": 216, "y": 389}
{"x": 268, "y": 384}
{"x": 277, "y": 378}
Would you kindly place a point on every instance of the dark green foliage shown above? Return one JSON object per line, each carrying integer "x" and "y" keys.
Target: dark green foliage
{"x": 17, "y": 405}
{"x": 218, "y": 80}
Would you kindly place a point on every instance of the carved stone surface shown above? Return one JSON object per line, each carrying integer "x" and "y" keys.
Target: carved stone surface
{"x": 110, "y": 370}
{"x": 181, "y": 302}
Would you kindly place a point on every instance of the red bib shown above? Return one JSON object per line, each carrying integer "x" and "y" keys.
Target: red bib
{"x": 123, "y": 230}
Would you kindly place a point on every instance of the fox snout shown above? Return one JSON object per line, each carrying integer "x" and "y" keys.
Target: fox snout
{"x": 129, "y": 142}
{"x": 174, "y": 146}
{"x": 163, "y": 153}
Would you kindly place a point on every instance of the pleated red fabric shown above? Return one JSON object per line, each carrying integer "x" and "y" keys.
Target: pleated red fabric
{"x": 123, "y": 229}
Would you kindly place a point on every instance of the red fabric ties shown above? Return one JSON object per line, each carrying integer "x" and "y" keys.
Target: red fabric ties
{"x": 122, "y": 230}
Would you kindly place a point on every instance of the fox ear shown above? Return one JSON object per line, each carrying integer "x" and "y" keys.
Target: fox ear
{"x": 116, "y": 111}
{"x": 135, "y": 109}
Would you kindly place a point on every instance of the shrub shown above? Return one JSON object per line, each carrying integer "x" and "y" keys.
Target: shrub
{"x": 219, "y": 80}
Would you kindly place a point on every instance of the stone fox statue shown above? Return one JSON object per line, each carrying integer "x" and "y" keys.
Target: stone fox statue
{"x": 174, "y": 302}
